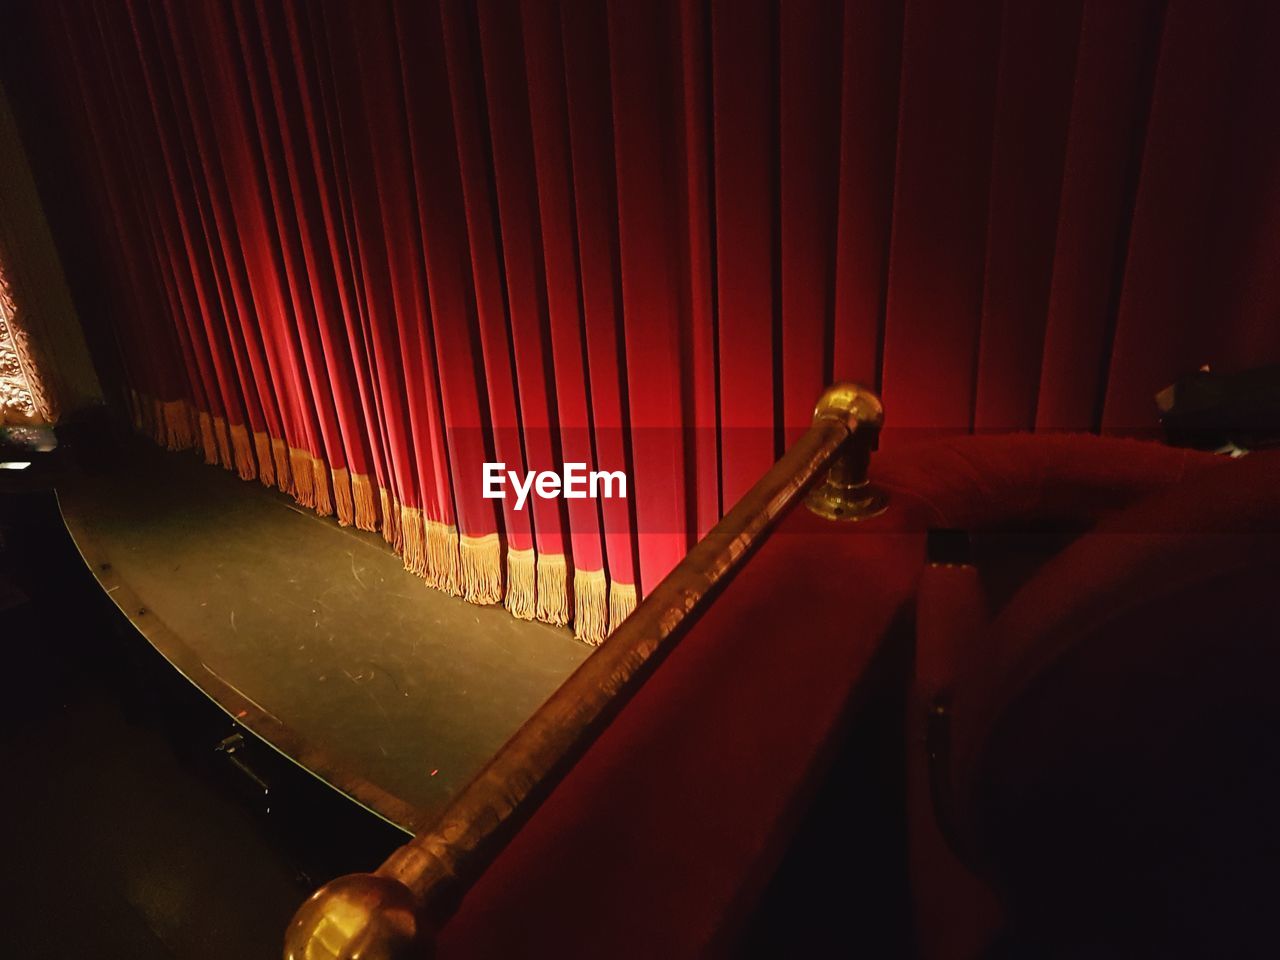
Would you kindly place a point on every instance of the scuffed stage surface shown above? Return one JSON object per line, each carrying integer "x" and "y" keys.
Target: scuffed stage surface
{"x": 312, "y": 635}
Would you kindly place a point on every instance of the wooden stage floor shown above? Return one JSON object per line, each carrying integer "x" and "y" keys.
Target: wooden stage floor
{"x": 313, "y": 636}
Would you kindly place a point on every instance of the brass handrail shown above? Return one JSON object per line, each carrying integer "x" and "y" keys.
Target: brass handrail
{"x": 395, "y": 911}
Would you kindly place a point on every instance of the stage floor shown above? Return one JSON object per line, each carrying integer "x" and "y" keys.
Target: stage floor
{"x": 312, "y": 635}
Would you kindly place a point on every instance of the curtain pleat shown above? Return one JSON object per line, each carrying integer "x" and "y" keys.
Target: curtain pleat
{"x": 453, "y": 334}
{"x": 359, "y": 251}
{"x": 1033, "y": 104}
{"x": 1171, "y": 283}
{"x": 809, "y": 71}
{"x": 336, "y": 279}
{"x": 327, "y": 380}
{"x": 260, "y": 408}
{"x": 743, "y": 90}
{"x": 588, "y": 103}
{"x": 700, "y": 346}
{"x": 552, "y": 169}
{"x": 1111, "y": 99}
{"x": 937, "y": 248}
{"x": 870, "y": 79}
{"x": 507, "y": 92}
{"x": 466, "y": 96}
{"x": 131, "y": 290}
{"x": 647, "y": 89}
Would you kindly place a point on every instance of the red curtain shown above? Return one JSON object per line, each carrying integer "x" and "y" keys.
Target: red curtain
{"x": 359, "y": 249}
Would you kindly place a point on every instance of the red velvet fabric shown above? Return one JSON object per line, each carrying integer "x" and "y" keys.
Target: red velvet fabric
{"x": 669, "y": 827}
{"x": 1112, "y": 768}
{"x": 1221, "y": 520}
{"x": 956, "y": 914}
{"x": 663, "y": 835}
{"x": 973, "y": 483}
{"x": 410, "y": 238}
{"x": 489, "y": 333}
{"x": 1101, "y": 671}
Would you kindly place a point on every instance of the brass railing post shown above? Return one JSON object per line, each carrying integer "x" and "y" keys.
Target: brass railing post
{"x": 394, "y": 913}
{"x": 846, "y": 494}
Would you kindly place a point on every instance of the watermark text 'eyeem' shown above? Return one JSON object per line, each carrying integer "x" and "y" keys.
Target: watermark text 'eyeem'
{"x": 575, "y": 482}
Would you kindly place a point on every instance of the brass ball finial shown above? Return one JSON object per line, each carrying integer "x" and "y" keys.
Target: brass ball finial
{"x": 362, "y": 916}
{"x": 845, "y": 494}
{"x": 851, "y": 404}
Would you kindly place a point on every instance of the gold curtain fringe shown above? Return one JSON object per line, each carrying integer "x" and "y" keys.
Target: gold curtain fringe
{"x": 323, "y": 501}
{"x": 471, "y": 567}
{"x": 481, "y": 568}
{"x": 442, "y": 557}
{"x": 156, "y": 409}
{"x": 163, "y": 427}
{"x": 300, "y": 470}
{"x": 622, "y": 600}
{"x": 169, "y": 423}
{"x": 242, "y": 451}
{"x": 208, "y": 444}
{"x": 520, "y": 584}
{"x": 193, "y": 425}
{"x": 266, "y": 465}
{"x": 553, "y": 589}
{"x": 145, "y": 417}
{"x": 223, "y": 440}
{"x": 414, "y": 537}
{"x": 280, "y": 457}
{"x": 366, "y": 506}
{"x": 590, "y": 606}
{"x": 429, "y": 549}
{"x": 177, "y": 424}
{"x": 151, "y": 420}
{"x": 343, "y": 505}
{"x": 135, "y": 410}
{"x": 391, "y": 519}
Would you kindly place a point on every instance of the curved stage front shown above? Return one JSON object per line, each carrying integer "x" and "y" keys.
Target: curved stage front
{"x": 313, "y": 636}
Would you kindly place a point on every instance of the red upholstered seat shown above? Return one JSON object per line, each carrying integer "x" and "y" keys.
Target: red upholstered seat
{"x": 1092, "y": 728}
{"x": 660, "y": 840}
{"x": 1114, "y": 770}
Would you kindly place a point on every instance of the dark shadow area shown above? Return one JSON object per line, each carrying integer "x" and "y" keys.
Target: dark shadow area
{"x": 139, "y": 821}
{"x": 842, "y": 888}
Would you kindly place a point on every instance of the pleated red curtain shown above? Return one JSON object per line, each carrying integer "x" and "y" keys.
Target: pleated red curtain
{"x": 359, "y": 249}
